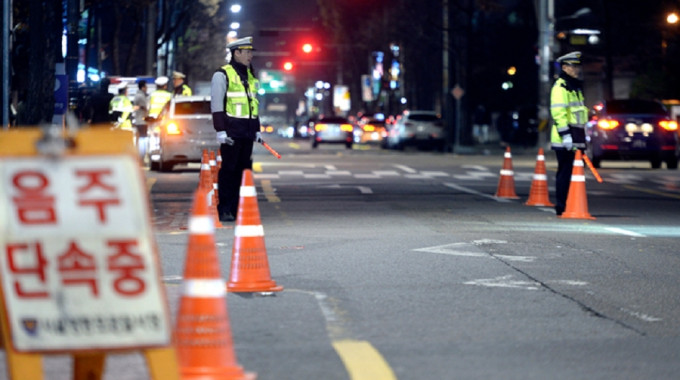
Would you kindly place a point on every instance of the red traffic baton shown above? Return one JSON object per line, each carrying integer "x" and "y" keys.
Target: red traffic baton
{"x": 271, "y": 150}
{"x": 592, "y": 168}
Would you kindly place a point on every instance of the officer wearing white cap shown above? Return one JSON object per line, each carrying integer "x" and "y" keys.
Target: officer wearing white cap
{"x": 234, "y": 106}
{"x": 569, "y": 114}
{"x": 179, "y": 83}
{"x": 159, "y": 97}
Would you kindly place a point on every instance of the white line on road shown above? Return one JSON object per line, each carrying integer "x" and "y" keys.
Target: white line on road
{"x": 475, "y": 192}
{"x": 623, "y": 232}
{"x": 405, "y": 168}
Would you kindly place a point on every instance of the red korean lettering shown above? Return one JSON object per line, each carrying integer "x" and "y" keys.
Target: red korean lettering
{"x": 127, "y": 262}
{"x": 78, "y": 268}
{"x": 33, "y": 204}
{"x": 27, "y": 261}
{"x": 95, "y": 181}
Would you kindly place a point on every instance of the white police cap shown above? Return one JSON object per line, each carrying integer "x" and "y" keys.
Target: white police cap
{"x": 178, "y": 75}
{"x": 573, "y": 58}
{"x": 161, "y": 81}
{"x": 245, "y": 43}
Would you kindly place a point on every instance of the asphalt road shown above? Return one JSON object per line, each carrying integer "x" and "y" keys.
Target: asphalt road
{"x": 404, "y": 265}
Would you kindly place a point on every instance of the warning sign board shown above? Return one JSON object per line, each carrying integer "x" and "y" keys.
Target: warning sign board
{"x": 78, "y": 263}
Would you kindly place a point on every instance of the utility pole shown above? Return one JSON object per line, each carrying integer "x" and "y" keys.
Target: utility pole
{"x": 6, "y": 17}
{"x": 546, "y": 16}
{"x": 72, "y": 51}
{"x": 451, "y": 130}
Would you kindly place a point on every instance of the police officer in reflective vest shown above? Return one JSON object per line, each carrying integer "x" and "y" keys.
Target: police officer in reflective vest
{"x": 181, "y": 87}
{"x": 569, "y": 115}
{"x": 234, "y": 107}
{"x": 159, "y": 97}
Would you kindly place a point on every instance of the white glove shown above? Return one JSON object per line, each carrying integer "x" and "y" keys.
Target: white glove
{"x": 222, "y": 138}
{"x": 258, "y": 137}
{"x": 567, "y": 143}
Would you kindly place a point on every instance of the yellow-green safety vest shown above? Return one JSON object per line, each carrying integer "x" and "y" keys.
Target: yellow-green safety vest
{"x": 569, "y": 114}
{"x": 122, "y": 104}
{"x": 157, "y": 101}
{"x": 238, "y": 104}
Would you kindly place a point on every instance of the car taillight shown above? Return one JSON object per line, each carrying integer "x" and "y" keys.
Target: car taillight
{"x": 607, "y": 124}
{"x": 669, "y": 125}
{"x": 346, "y": 127}
{"x": 369, "y": 128}
{"x": 172, "y": 129}
{"x": 320, "y": 127}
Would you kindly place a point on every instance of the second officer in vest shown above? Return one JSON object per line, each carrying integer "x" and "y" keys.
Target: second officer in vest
{"x": 234, "y": 107}
{"x": 570, "y": 115}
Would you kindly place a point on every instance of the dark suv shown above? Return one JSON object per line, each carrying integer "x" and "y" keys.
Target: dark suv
{"x": 633, "y": 129}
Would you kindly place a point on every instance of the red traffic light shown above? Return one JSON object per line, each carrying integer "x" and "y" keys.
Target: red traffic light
{"x": 288, "y": 65}
{"x": 307, "y": 48}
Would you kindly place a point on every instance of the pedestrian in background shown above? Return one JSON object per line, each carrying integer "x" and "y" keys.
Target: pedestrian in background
{"x": 569, "y": 114}
{"x": 97, "y": 106}
{"x": 159, "y": 97}
{"x": 140, "y": 105}
{"x": 179, "y": 83}
{"x": 234, "y": 107}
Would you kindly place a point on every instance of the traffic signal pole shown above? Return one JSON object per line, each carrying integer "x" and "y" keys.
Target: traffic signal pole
{"x": 546, "y": 16}
{"x": 6, "y": 9}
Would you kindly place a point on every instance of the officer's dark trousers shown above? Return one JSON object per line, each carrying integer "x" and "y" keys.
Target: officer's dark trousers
{"x": 565, "y": 163}
{"x": 235, "y": 159}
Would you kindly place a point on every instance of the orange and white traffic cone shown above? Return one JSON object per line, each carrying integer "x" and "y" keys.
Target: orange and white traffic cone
{"x": 205, "y": 182}
{"x": 213, "y": 171}
{"x": 249, "y": 263}
{"x": 577, "y": 201}
{"x": 203, "y": 335}
{"x": 538, "y": 194}
{"x": 506, "y": 183}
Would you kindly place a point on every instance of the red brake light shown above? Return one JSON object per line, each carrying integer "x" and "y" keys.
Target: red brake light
{"x": 172, "y": 129}
{"x": 669, "y": 125}
{"x": 607, "y": 124}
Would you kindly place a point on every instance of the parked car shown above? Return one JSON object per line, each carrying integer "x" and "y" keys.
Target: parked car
{"x": 181, "y": 132}
{"x": 424, "y": 129}
{"x": 370, "y": 131}
{"x": 632, "y": 129}
{"x": 334, "y": 130}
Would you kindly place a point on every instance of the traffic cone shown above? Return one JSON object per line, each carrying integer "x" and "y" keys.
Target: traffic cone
{"x": 249, "y": 263}
{"x": 213, "y": 172}
{"x": 506, "y": 183}
{"x": 538, "y": 194}
{"x": 205, "y": 182}
{"x": 202, "y": 334}
{"x": 577, "y": 202}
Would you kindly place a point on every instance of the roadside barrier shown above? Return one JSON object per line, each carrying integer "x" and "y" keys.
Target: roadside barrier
{"x": 249, "y": 263}
{"x": 538, "y": 193}
{"x": 577, "y": 201}
{"x": 203, "y": 334}
{"x": 506, "y": 183}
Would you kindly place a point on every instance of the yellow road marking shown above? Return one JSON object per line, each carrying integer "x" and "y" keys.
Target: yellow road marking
{"x": 650, "y": 191}
{"x": 269, "y": 191}
{"x": 363, "y": 362}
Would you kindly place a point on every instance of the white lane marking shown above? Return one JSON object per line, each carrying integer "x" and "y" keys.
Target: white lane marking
{"x": 362, "y": 189}
{"x": 475, "y": 192}
{"x": 570, "y": 282}
{"x": 641, "y": 316}
{"x": 434, "y": 174}
{"x": 504, "y": 282}
{"x": 330, "y": 167}
{"x": 450, "y": 249}
{"x": 623, "y": 232}
{"x": 524, "y": 259}
{"x": 338, "y": 172}
{"x": 405, "y": 168}
{"x": 390, "y": 173}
